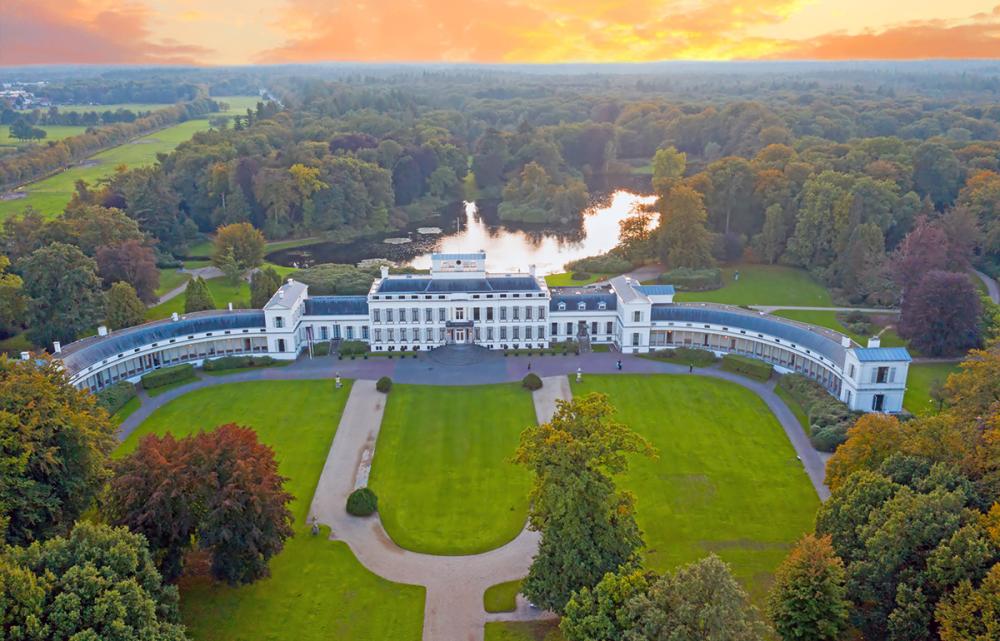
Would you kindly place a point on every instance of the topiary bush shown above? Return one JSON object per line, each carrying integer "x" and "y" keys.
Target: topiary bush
{"x": 167, "y": 376}
{"x": 531, "y": 382}
{"x": 384, "y": 384}
{"x": 353, "y": 348}
{"x": 362, "y": 502}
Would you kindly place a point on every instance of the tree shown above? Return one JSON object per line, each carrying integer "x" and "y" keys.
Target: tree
{"x": 12, "y": 302}
{"x": 770, "y": 242}
{"x": 861, "y": 267}
{"x": 56, "y": 441}
{"x": 64, "y": 293}
{"x": 635, "y": 236}
{"x": 24, "y": 131}
{"x": 218, "y": 489}
{"x": 936, "y": 173}
{"x": 684, "y": 241}
{"x": 197, "y": 296}
{"x": 668, "y": 169}
{"x": 942, "y": 315}
{"x": 700, "y": 601}
{"x": 924, "y": 249}
{"x": 971, "y": 614}
{"x": 229, "y": 267}
{"x": 600, "y": 613}
{"x": 132, "y": 262}
{"x": 97, "y": 583}
{"x": 124, "y": 309}
{"x": 871, "y": 440}
{"x": 244, "y": 241}
{"x": 263, "y": 284}
{"x": 809, "y": 601}
{"x": 588, "y": 527}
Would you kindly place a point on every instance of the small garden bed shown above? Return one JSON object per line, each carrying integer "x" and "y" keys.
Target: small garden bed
{"x": 827, "y": 418}
{"x": 502, "y": 597}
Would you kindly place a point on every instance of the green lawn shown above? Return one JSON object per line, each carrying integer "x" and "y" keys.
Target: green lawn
{"x": 726, "y": 479}
{"x": 51, "y": 194}
{"x": 126, "y": 410}
{"x": 764, "y": 285}
{"x": 317, "y": 590}
{"x": 442, "y": 472}
{"x": 169, "y": 279}
{"x": 502, "y": 597}
{"x": 921, "y": 376}
{"x": 523, "y": 631}
{"x": 565, "y": 279}
{"x": 163, "y": 389}
{"x": 53, "y": 132}
{"x": 222, "y": 290}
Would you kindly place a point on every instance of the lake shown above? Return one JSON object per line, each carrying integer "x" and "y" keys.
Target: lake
{"x": 469, "y": 227}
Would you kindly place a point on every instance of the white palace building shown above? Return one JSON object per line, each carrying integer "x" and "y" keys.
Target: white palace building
{"x": 459, "y": 302}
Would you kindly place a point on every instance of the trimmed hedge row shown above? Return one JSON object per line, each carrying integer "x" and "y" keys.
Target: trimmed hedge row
{"x": 168, "y": 376}
{"x": 693, "y": 280}
{"x": 321, "y": 349}
{"x": 353, "y": 348}
{"x": 237, "y": 362}
{"x": 750, "y": 367}
{"x": 829, "y": 418}
{"x": 686, "y": 355}
{"x": 602, "y": 264}
{"x": 114, "y": 397}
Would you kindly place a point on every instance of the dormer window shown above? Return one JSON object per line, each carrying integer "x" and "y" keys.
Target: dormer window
{"x": 602, "y": 305}
{"x": 581, "y": 305}
{"x": 562, "y": 307}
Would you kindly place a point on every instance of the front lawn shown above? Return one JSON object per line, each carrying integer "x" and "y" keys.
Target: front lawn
{"x": 442, "y": 472}
{"x": 565, "y": 279}
{"x": 523, "y": 631}
{"x": 502, "y": 597}
{"x": 726, "y": 479}
{"x": 764, "y": 285}
{"x": 171, "y": 278}
{"x": 317, "y": 590}
{"x": 919, "y": 380}
{"x": 223, "y": 292}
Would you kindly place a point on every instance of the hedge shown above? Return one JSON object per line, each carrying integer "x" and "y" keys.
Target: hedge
{"x": 532, "y": 382}
{"x": 353, "y": 348}
{"x": 686, "y": 355}
{"x": 602, "y": 264}
{"x": 114, "y": 397}
{"x": 750, "y": 367}
{"x": 828, "y": 417}
{"x": 384, "y": 384}
{"x": 237, "y": 362}
{"x": 168, "y": 376}
{"x": 321, "y": 349}
{"x": 362, "y": 502}
{"x": 693, "y": 280}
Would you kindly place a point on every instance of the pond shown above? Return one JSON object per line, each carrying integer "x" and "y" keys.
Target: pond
{"x": 469, "y": 227}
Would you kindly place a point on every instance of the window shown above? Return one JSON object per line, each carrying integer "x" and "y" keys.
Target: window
{"x": 390, "y": 335}
{"x": 388, "y": 315}
{"x": 607, "y": 329}
{"x": 541, "y": 332}
{"x": 441, "y": 334}
{"x": 527, "y": 312}
{"x": 428, "y": 315}
{"x": 581, "y": 306}
{"x": 324, "y": 333}
{"x": 279, "y": 322}
{"x": 442, "y": 314}
{"x": 281, "y": 344}
{"x": 635, "y": 338}
{"x": 878, "y": 402}
{"x": 562, "y": 306}
{"x": 479, "y": 335}
{"x": 364, "y": 332}
{"x": 503, "y": 313}
{"x": 378, "y": 334}
{"x": 516, "y": 313}
{"x": 403, "y": 333}
{"x": 593, "y": 327}
{"x": 459, "y": 313}
{"x": 636, "y": 317}
{"x": 377, "y": 315}
{"x": 569, "y": 329}
{"x": 555, "y": 329}
{"x": 503, "y": 333}
{"x": 489, "y": 333}
{"x": 541, "y": 312}
{"x": 850, "y": 371}
{"x": 602, "y": 305}
{"x": 429, "y": 334}
{"x": 527, "y": 333}
{"x": 475, "y": 313}
{"x": 489, "y": 313}
{"x": 880, "y": 375}
{"x": 516, "y": 332}
{"x": 415, "y": 315}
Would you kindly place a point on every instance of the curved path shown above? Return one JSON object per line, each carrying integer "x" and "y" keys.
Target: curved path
{"x": 992, "y": 288}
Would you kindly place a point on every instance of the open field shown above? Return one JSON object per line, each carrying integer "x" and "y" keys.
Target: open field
{"x": 442, "y": 472}
{"x": 51, "y": 194}
{"x": 169, "y": 279}
{"x": 764, "y": 285}
{"x": 726, "y": 479}
{"x": 921, "y": 377}
{"x": 131, "y": 106}
{"x": 54, "y": 132}
{"x": 316, "y": 585}
{"x": 523, "y": 631}
{"x": 222, "y": 290}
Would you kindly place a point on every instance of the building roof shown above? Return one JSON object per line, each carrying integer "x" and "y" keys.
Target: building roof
{"x": 591, "y": 300}
{"x": 656, "y": 290}
{"x": 286, "y": 294}
{"x": 480, "y": 255}
{"x": 884, "y": 354}
{"x": 84, "y": 353}
{"x": 337, "y": 306}
{"x": 625, "y": 288}
{"x": 815, "y": 339}
{"x": 492, "y": 283}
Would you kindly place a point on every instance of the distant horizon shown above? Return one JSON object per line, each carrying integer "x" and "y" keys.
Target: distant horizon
{"x": 491, "y": 32}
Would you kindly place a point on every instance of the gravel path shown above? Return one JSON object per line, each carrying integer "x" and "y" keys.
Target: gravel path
{"x": 991, "y": 285}
{"x": 205, "y": 272}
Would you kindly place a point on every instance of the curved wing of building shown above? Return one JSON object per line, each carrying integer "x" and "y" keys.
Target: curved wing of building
{"x": 459, "y": 302}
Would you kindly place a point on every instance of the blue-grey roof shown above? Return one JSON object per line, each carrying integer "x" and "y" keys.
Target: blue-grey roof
{"x": 460, "y": 256}
{"x": 872, "y": 354}
{"x": 337, "y": 306}
{"x": 590, "y": 300}
{"x": 799, "y": 335}
{"x": 656, "y": 290}
{"x": 84, "y": 353}
{"x": 445, "y": 285}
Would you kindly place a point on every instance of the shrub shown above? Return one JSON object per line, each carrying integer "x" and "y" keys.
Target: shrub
{"x": 602, "y": 264}
{"x": 237, "y": 362}
{"x": 686, "y": 355}
{"x": 114, "y": 397}
{"x": 745, "y": 366}
{"x": 384, "y": 384}
{"x": 167, "y": 376}
{"x": 362, "y": 502}
{"x": 580, "y": 275}
{"x": 353, "y": 348}
{"x": 693, "y": 280}
{"x": 828, "y": 417}
{"x": 532, "y": 382}
{"x": 321, "y": 349}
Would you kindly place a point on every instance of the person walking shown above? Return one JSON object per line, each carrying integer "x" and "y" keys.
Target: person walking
{"x": 690, "y": 369}
{"x": 619, "y": 364}
{"x": 529, "y": 366}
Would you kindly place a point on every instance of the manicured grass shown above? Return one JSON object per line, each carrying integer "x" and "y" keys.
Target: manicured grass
{"x": 565, "y": 279}
{"x": 726, "y": 479}
{"x": 921, "y": 376}
{"x": 317, "y": 590}
{"x": 223, "y": 292}
{"x": 523, "y": 631}
{"x": 171, "y": 278}
{"x": 442, "y": 472}
{"x": 53, "y": 132}
{"x": 163, "y": 389}
{"x": 239, "y": 370}
{"x": 126, "y": 410}
{"x": 800, "y": 414}
{"x": 502, "y": 597}
{"x": 764, "y": 285}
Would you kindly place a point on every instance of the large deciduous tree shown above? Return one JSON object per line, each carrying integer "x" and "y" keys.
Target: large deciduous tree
{"x": 64, "y": 293}
{"x": 809, "y": 600}
{"x": 971, "y": 613}
{"x": 132, "y": 262}
{"x": 54, "y": 441}
{"x": 683, "y": 238}
{"x": 601, "y": 613}
{"x": 937, "y": 173}
{"x": 668, "y": 169}
{"x": 244, "y": 241}
{"x": 219, "y": 490}
{"x": 12, "y": 302}
{"x": 941, "y": 315}
{"x": 588, "y": 527}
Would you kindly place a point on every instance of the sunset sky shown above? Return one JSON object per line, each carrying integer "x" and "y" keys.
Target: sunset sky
{"x": 522, "y": 31}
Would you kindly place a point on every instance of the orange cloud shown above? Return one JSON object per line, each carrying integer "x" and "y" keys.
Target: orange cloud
{"x": 979, "y": 38}
{"x": 86, "y": 32}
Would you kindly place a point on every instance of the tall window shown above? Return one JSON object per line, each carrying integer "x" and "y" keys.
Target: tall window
{"x": 364, "y": 332}
{"x": 429, "y": 334}
{"x": 636, "y": 317}
{"x": 279, "y": 322}
{"x": 541, "y": 332}
{"x": 503, "y": 313}
{"x": 459, "y": 313}
{"x": 527, "y": 333}
{"x": 378, "y": 334}
{"x": 475, "y": 313}
{"x": 377, "y": 315}
{"x": 527, "y": 312}
{"x": 428, "y": 315}
{"x": 489, "y": 333}
{"x": 503, "y": 332}
{"x": 415, "y": 315}
{"x": 541, "y": 312}
{"x": 442, "y": 314}
{"x": 517, "y": 313}
{"x": 388, "y": 315}
{"x": 608, "y": 329}
{"x": 489, "y": 313}
{"x": 635, "y": 339}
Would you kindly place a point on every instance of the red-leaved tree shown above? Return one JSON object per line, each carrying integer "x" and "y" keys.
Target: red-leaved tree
{"x": 941, "y": 314}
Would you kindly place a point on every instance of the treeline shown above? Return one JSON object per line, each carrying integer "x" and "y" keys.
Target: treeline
{"x": 38, "y": 160}
{"x": 72, "y": 118}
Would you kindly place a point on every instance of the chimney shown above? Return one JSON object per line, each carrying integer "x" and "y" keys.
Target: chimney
{"x": 56, "y": 347}
{"x": 281, "y": 294}
{"x": 102, "y": 330}
{"x": 385, "y": 271}
{"x": 845, "y": 341}
{"x": 174, "y": 316}
{"x": 25, "y": 356}
{"x": 531, "y": 270}
{"x": 230, "y": 307}
{"x": 874, "y": 341}
{"x": 289, "y": 281}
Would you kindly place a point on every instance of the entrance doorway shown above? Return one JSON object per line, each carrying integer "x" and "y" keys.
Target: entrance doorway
{"x": 459, "y": 335}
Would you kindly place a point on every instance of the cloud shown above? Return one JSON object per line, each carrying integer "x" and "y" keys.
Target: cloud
{"x": 86, "y": 32}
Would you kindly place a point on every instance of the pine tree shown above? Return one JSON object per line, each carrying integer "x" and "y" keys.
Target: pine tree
{"x": 123, "y": 308}
{"x": 263, "y": 284}
{"x": 197, "y": 296}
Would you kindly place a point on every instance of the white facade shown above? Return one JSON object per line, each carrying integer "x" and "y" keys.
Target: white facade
{"x": 459, "y": 302}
